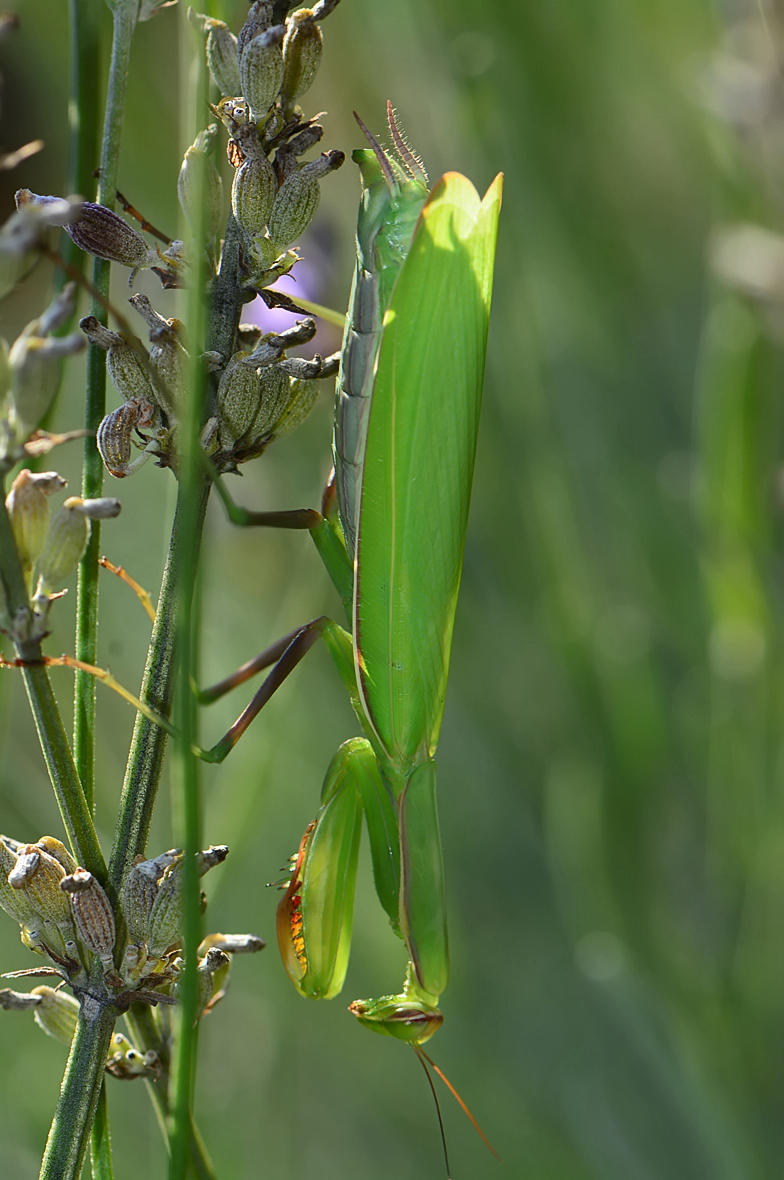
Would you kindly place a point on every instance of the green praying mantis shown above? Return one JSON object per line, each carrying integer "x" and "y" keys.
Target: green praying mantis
{"x": 406, "y": 421}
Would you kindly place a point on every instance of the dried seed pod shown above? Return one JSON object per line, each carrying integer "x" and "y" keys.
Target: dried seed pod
{"x": 232, "y": 944}
{"x": 165, "y": 925}
{"x": 114, "y": 435}
{"x": 302, "y": 398}
{"x": 56, "y": 1013}
{"x": 104, "y": 234}
{"x": 127, "y": 370}
{"x": 165, "y": 921}
{"x": 261, "y": 70}
{"x": 294, "y": 208}
{"x": 298, "y": 198}
{"x": 223, "y": 56}
{"x": 28, "y": 510}
{"x": 274, "y": 391}
{"x": 93, "y": 915}
{"x": 15, "y": 903}
{"x": 239, "y": 394}
{"x": 199, "y": 186}
{"x": 258, "y": 19}
{"x": 139, "y": 893}
{"x": 212, "y": 970}
{"x": 39, "y": 875}
{"x": 65, "y": 543}
{"x": 254, "y": 188}
{"x": 47, "y": 926}
{"x": 302, "y": 49}
{"x": 11, "y": 1001}
{"x": 57, "y": 849}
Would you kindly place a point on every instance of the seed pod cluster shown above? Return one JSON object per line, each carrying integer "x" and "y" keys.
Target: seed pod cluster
{"x": 30, "y": 892}
{"x": 66, "y": 916}
{"x": 263, "y": 395}
{"x": 274, "y": 197}
{"x": 152, "y": 904}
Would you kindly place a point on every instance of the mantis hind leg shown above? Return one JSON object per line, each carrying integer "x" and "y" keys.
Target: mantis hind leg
{"x": 284, "y": 656}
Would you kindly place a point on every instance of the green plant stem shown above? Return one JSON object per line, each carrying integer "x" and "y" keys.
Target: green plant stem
{"x": 69, "y": 1134}
{"x": 51, "y": 733}
{"x": 192, "y": 478}
{"x": 145, "y": 1036}
{"x": 101, "y": 1140}
{"x": 95, "y": 408}
{"x": 149, "y": 740}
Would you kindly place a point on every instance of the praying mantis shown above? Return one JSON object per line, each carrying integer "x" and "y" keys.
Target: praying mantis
{"x": 392, "y": 538}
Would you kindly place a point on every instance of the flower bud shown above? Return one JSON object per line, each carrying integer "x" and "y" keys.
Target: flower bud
{"x": 126, "y": 1063}
{"x": 92, "y": 913}
{"x": 222, "y": 57}
{"x": 211, "y": 973}
{"x": 199, "y": 184}
{"x": 34, "y": 362}
{"x": 56, "y": 1013}
{"x": 65, "y": 543}
{"x": 261, "y": 70}
{"x": 254, "y": 188}
{"x": 101, "y": 232}
{"x": 28, "y": 510}
{"x": 27, "y": 230}
{"x": 302, "y": 49}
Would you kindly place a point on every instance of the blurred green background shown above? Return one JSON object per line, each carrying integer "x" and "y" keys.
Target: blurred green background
{"x": 611, "y": 759}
